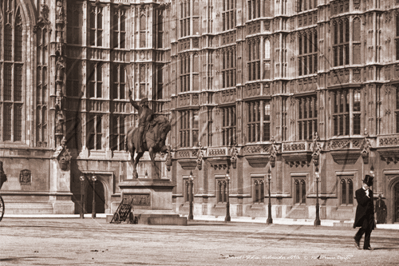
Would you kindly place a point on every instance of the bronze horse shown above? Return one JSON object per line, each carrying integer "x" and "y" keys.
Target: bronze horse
{"x": 155, "y": 137}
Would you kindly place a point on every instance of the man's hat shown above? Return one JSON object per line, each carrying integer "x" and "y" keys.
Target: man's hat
{"x": 368, "y": 179}
{"x": 144, "y": 100}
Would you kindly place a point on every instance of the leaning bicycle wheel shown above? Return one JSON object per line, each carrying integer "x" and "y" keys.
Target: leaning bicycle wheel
{"x": 1, "y": 208}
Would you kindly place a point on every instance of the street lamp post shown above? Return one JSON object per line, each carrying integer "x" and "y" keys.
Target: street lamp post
{"x": 82, "y": 196}
{"x": 317, "y": 220}
{"x": 227, "y": 218}
{"x": 190, "y": 215}
{"x": 93, "y": 208}
{"x": 269, "y": 214}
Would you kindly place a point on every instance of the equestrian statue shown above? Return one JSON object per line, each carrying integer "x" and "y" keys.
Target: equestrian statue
{"x": 150, "y": 135}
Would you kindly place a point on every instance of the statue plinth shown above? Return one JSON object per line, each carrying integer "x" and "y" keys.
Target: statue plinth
{"x": 151, "y": 201}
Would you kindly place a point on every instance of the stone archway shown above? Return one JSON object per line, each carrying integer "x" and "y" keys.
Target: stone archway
{"x": 393, "y": 200}
{"x": 395, "y": 192}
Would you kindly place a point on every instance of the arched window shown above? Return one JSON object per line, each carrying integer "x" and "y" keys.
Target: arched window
{"x": 11, "y": 67}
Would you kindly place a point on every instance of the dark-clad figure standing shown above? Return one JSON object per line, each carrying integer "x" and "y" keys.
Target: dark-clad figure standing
{"x": 145, "y": 117}
{"x": 381, "y": 210}
{"x": 364, "y": 213}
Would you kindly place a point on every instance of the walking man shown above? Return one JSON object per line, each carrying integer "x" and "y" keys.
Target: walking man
{"x": 364, "y": 213}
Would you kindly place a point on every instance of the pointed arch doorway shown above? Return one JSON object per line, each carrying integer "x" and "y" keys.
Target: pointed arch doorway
{"x": 396, "y": 202}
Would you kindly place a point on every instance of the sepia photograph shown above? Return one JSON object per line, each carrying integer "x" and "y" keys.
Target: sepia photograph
{"x": 199, "y": 132}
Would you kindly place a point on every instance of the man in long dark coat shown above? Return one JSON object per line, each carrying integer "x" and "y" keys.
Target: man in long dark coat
{"x": 381, "y": 210}
{"x": 145, "y": 117}
{"x": 364, "y": 213}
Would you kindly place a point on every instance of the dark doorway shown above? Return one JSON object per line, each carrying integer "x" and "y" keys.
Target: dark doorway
{"x": 100, "y": 198}
{"x": 396, "y": 198}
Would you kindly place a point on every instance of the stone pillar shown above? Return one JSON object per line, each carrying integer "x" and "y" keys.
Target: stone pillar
{"x": 60, "y": 181}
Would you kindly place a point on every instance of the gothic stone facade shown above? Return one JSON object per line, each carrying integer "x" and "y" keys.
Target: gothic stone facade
{"x": 286, "y": 88}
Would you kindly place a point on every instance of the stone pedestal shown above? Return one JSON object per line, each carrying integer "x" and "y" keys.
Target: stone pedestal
{"x": 60, "y": 182}
{"x": 151, "y": 201}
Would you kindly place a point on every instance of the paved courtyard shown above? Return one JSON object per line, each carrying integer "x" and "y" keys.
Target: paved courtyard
{"x": 95, "y": 242}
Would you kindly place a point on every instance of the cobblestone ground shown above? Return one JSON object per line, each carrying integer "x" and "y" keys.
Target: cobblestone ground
{"x": 95, "y": 242}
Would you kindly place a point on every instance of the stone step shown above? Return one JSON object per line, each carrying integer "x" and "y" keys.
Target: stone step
{"x": 28, "y": 208}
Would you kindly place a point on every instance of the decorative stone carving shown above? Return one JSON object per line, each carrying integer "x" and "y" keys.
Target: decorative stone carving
{"x": 233, "y": 156}
{"x": 216, "y": 152}
{"x": 365, "y": 149}
{"x": 59, "y": 12}
{"x": 339, "y": 144}
{"x": 297, "y": 159}
{"x": 200, "y": 156}
{"x": 389, "y": 156}
{"x": 316, "y": 150}
{"x": 294, "y": 146}
{"x": 389, "y": 141}
{"x": 257, "y": 161}
{"x": 274, "y": 150}
{"x": 25, "y": 177}
{"x": 63, "y": 155}
{"x": 345, "y": 157}
{"x": 169, "y": 158}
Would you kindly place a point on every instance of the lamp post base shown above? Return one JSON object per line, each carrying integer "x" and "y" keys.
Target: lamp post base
{"x": 317, "y": 220}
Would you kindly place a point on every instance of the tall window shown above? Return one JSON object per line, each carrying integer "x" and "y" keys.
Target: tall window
{"x": 346, "y": 191}
{"x": 94, "y": 130}
{"x": 300, "y": 191}
{"x": 221, "y": 190}
{"x": 96, "y": 26}
{"x": 356, "y": 41}
{"x": 42, "y": 91}
{"x": 143, "y": 31}
{"x": 307, "y": 117}
{"x": 73, "y": 71}
{"x": 356, "y": 112}
{"x": 339, "y": 7}
{"x": 189, "y": 126}
{"x": 119, "y": 28}
{"x": 229, "y": 125}
{"x": 185, "y": 72}
{"x": 253, "y": 9}
{"x": 258, "y": 195}
{"x": 341, "y": 107}
{"x": 228, "y": 67}
{"x": 185, "y": 18}
{"x": 160, "y": 28}
{"x": 253, "y": 124}
{"x": 119, "y": 82}
{"x": 95, "y": 80}
{"x": 228, "y": 14}
{"x": 254, "y": 59}
{"x": 341, "y": 112}
{"x": 266, "y": 62}
{"x": 307, "y": 53}
{"x": 341, "y": 42}
{"x": 118, "y": 132}
{"x": 74, "y": 16}
{"x": 11, "y": 67}
{"x": 303, "y": 5}
{"x": 255, "y": 116}
{"x": 284, "y": 116}
{"x": 266, "y": 121}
